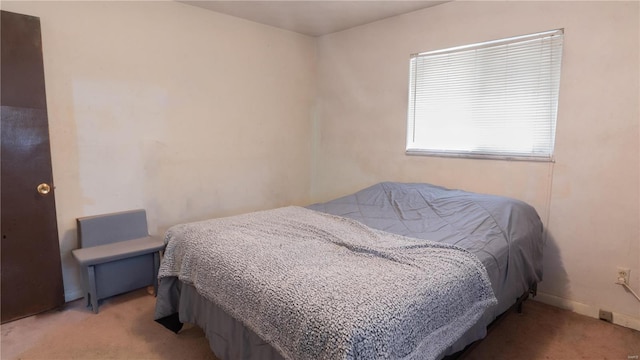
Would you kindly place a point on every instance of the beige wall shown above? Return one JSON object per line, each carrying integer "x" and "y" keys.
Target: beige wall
{"x": 160, "y": 105}
{"x": 589, "y": 198}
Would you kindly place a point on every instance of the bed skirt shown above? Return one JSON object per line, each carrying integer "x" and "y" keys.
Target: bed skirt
{"x": 229, "y": 339}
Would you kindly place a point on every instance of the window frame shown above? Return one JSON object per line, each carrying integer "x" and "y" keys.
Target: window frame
{"x": 412, "y": 149}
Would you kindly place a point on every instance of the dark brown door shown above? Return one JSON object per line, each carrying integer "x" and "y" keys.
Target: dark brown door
{"x": 30, "y": 252}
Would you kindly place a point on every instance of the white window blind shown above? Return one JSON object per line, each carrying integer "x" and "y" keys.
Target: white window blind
{"x": 497, "y": 99}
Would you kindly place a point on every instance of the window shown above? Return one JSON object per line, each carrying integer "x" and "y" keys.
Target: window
{"x": 496, "y": 99}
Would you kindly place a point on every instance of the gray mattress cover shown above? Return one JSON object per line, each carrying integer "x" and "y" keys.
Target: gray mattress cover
{"x": 505, "y": 234}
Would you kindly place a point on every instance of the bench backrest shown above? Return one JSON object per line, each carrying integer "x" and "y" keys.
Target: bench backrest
{"x": 109, "y": 228}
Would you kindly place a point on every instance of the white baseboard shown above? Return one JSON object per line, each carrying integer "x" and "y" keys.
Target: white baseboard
{"x": 587, "y": 310}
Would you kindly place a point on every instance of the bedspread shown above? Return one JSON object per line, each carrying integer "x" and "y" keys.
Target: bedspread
{"x": 504, "y": 233}
{"x": 318, "y": 286}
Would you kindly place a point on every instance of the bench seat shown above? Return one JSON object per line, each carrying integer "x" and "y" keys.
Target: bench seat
{"x": 117, "y": 251}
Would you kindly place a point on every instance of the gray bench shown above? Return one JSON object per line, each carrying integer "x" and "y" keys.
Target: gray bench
{"x": 116, "y": 255}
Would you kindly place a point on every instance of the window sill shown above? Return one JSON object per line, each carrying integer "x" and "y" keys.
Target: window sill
{"x": 470, "y": 155}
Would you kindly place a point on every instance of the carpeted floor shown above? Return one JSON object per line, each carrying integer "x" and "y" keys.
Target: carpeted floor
{"x": 546, "y": 332}
{"x": 124, "y": 329}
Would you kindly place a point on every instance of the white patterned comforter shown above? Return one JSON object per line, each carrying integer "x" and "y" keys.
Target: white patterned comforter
{"x": 318, "y": 286}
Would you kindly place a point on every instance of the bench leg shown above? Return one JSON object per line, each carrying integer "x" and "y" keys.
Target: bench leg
{"x": 84, "y": 274}
{"x": 93, "y": 294}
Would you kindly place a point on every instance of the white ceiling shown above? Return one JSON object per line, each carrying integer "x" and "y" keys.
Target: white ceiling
{"x": 314, "y": 17}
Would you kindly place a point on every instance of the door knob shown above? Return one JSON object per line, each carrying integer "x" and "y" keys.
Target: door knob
{"x": 44, "y": 188}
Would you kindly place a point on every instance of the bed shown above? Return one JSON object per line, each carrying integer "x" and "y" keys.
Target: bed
{"x": 396, "y": 270}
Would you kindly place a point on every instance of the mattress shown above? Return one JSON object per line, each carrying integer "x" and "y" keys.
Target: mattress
{"x": 504, "y": 234}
